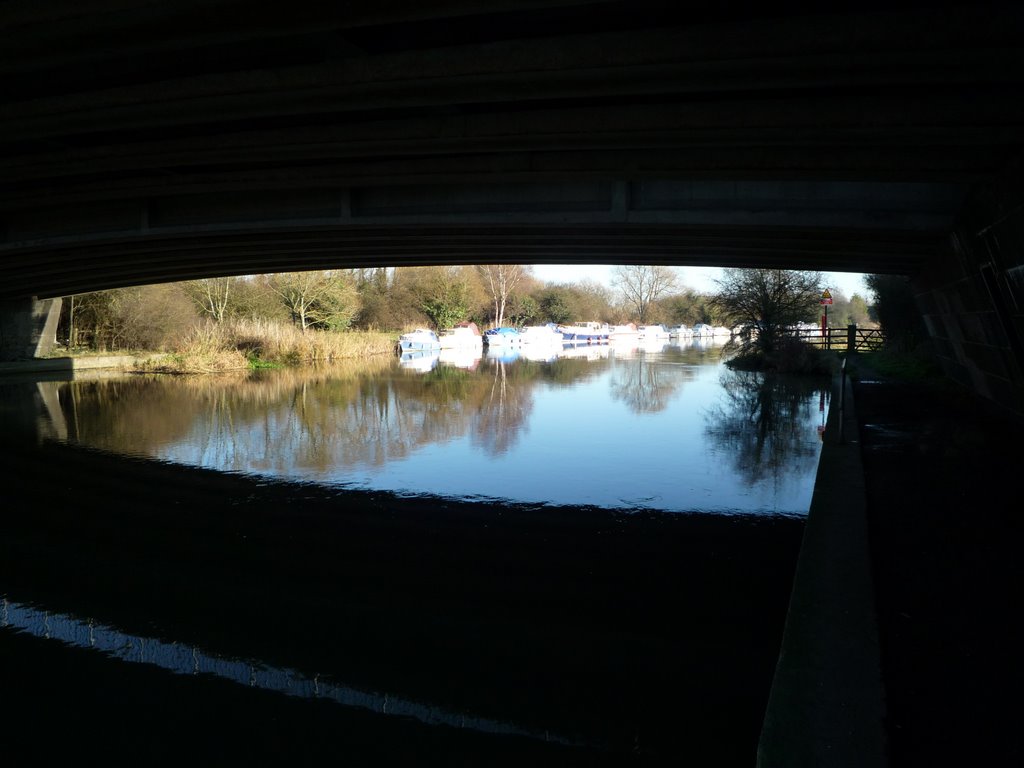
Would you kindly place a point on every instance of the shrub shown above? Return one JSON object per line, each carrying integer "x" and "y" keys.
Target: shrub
{"x": 790, "y": 355}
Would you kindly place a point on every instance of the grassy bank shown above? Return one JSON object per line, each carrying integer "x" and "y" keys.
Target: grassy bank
{"x": 918, "y": 365}
{"x": 247, "y": 344}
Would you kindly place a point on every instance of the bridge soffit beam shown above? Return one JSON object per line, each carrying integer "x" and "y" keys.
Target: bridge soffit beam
{"x": 765, "y": 55}
{"x": 670, "y": 202}
{"x": 115, "y": 263}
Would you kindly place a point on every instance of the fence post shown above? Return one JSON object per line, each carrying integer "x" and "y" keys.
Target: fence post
{"x": 842, "y": 398}
{"x": 851, "y": 337}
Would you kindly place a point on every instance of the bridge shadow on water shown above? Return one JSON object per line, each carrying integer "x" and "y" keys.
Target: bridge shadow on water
{"x": 405, "y": 630}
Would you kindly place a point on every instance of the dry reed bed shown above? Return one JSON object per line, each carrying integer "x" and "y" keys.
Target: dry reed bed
{"x": 245, "y": 344}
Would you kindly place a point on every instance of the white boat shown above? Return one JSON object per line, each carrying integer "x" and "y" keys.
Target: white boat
{"x": 703, "y": 330}
{"x": 627, "y": 332}
{"x": 541, "y": 335}
{"x": 418, "y": 340}
{"x": 502, "y": 336}
{"x": 589, "y": 332}
{"x": 649, "y": 332}
{"x": 462, "y": 336}
{"x": 680, "y": 332}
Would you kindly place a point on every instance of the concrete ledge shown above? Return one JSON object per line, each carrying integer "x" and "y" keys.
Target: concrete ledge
{"x": 69, "y": 364}
{"x": 827, "y": 703}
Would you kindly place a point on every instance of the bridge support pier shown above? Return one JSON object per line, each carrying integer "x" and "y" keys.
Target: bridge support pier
{"x": 28, "y": 327}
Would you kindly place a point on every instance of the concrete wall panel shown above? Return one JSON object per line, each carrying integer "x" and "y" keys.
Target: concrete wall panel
{"x": 972, "y": 298}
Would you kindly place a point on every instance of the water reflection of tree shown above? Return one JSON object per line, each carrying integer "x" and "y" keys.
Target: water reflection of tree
{"x": 646, "y": 386}
{"x": 506, "y": 408}
{"x": 387, "y": 417}
{"x": 363, "y": 414}
{"x": 572, "y": 370}
{"x": 764, "y": 424}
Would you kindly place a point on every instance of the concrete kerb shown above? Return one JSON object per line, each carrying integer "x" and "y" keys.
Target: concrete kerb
{"x": 69, "y": 364}
{"x": 827, "y": 702}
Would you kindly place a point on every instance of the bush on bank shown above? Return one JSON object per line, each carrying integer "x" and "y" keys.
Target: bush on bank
{"x": 250, "y": 344}
{"x": 790, "y": 356}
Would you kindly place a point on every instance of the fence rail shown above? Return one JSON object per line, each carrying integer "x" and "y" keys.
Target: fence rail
{"x": 851, "y": 338}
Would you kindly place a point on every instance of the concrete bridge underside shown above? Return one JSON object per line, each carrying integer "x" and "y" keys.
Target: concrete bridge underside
{"x": 146, "y": 142}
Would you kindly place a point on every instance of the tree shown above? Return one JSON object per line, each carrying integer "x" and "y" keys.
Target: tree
{"x": 140, "y": 317}
{"x": 641, "y": 285}
{"x": 593, "y": 301}
{"x": 859, "y": 313}
{"x": 554, "y": 304}
{"x": 317, "y": 298}
{"x": 253, "y": 298}
{"x": 444, "y": 295}
{"x": 92, "y": 316}
{"x": 501, "y": 280}
{"x": 688, "y": 308}
{"x": 896, "y": 311}
{"x": 212, "y": 295}
{"x": 388, "y": 298}
{"x": 767, "y": 303}
{"x": 845, "y": 311}
{"x": 522, "y": 309}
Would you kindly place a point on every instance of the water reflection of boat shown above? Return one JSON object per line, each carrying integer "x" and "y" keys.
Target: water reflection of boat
{"x": 418, "y": 340}
{"x": 465, "y": 357}
{"x": 586, "y": 351}
{"x": 500, "y": 354}
{"x": 653, "y": 344}
{"x": 462, "y": 336}
{"x": 421, "y": 360}
{"x": 540, "y": 353}
{"x": 624, "y": 349}
{"x": 700, "y": 342}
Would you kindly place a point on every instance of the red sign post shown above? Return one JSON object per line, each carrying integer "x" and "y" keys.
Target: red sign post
{"x": 826, "y": 299}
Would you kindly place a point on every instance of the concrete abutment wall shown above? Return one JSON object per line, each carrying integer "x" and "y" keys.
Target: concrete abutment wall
{"x": 972, "y": 300}
{"x": 28, "y": 327}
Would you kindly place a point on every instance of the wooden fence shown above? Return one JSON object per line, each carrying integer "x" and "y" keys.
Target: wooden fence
{"x": 851, "y": 338}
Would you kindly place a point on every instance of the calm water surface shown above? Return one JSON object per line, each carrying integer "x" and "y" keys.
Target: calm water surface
{"x": 664, "y": 427}
{"x": 572, "y": 559}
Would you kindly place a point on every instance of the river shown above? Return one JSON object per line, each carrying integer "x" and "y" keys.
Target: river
{"x": 581, "y": 557}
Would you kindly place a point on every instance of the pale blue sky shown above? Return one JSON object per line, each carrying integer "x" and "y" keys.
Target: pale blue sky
{"x": 698, "y": 278}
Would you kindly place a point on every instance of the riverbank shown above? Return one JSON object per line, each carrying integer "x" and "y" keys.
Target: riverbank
{"x": 238, "y": 345}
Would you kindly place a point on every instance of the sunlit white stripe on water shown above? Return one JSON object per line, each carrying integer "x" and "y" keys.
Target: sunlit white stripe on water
{"x": 184, "y": 659}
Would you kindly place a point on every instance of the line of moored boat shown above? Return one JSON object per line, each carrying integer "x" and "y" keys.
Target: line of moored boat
{"x": 468, "y": 336}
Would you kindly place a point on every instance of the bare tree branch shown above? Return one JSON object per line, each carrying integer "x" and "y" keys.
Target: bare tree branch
{"x": 641, "y": 285}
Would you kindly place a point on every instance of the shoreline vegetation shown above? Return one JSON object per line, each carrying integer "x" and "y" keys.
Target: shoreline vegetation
{"x": 246, "y": 345}
{"x": 239, "y": 324}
